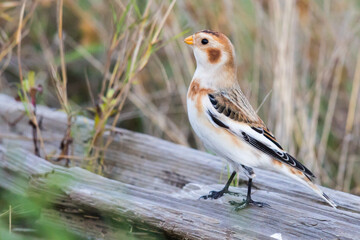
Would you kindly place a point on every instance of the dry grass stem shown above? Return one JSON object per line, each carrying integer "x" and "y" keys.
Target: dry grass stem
{"x": 124, "y": 63}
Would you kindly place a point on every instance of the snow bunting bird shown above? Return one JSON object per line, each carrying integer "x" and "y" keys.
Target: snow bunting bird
{"x": 224, "y": 120}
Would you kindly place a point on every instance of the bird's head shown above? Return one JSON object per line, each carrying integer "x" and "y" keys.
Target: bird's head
{"x": 213, "y": 52}
{"x": 215, "y": 58}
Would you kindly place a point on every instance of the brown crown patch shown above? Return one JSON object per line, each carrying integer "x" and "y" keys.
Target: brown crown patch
{"x": 217, "y": 34}
{"x": 214, "y": 55}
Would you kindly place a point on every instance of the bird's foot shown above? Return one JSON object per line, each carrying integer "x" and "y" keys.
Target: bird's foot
{"x": 247, "y": 202}
{"x": 218, "y": 194}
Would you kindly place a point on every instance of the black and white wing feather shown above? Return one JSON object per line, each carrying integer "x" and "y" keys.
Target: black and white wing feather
{"x": 230, "y": 110}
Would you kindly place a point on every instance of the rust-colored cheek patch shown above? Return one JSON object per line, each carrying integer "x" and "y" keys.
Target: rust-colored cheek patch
{"x": 214, "y": 55}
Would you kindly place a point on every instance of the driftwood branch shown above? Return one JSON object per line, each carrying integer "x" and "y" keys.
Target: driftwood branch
{"x": 156, "y": 182}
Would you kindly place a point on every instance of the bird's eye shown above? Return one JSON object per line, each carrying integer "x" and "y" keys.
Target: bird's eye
{"x": 204, "y": 41}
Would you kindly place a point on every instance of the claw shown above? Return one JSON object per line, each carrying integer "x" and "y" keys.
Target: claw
{"x": 204, "y": 197}
{"x": 246, "y": 202}
{"x": 218, "y": 194}
{"x": 213, "y": 195}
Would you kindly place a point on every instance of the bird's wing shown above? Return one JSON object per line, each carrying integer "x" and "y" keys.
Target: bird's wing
{"x": 230, "y": 110}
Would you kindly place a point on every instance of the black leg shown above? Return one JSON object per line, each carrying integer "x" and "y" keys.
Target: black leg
{"x": 218, "y": 194}
{"x": 248, "y": 201}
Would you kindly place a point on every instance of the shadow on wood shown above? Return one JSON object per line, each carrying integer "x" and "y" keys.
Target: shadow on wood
{"x": 156, "y": 182}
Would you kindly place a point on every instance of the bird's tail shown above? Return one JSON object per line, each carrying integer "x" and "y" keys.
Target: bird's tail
{"x": 301, "y": 177}
{"x": 320, "y": 192}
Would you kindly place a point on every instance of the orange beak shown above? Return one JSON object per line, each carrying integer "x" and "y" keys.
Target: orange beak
{"x": 189, "y": 40}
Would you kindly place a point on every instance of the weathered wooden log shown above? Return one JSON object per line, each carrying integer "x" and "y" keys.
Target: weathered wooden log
{"x": 157, "y": 182}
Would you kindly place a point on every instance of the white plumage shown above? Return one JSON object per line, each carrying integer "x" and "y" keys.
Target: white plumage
{"x": 225, "y": 121}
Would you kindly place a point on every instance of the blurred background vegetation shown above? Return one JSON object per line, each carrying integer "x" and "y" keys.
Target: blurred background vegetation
{"x": 124, "y": 63}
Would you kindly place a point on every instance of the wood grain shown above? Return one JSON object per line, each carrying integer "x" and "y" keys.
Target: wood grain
{"x": 157, "y": 182}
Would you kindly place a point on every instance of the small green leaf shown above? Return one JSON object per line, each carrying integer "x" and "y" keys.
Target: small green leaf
{"x": 104, "y": 99}
{"x": 120, "y": 23}
{"x": 22, "y": 99}
{"x": 97, "y": 120}
{"x": 136, "y": 7}
{"x": 26, "y": 85}
{"x": 110, "y": 93}
{"x": 113, "y": 102}
{"x": 31, "y": 78}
